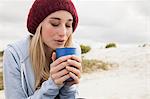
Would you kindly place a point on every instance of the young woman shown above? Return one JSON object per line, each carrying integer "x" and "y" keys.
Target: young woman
{"x": 31, "y": 70}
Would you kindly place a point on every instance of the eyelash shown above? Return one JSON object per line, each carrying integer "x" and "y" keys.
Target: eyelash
{"x": 68, "y": 26}
{"x": 55, "y": 25}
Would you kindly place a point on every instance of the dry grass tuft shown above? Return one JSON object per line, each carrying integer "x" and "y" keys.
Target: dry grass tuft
{"x": 93, "y": 65}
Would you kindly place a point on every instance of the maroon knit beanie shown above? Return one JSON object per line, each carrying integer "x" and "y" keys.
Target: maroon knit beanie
{"x": 42, "y": 8}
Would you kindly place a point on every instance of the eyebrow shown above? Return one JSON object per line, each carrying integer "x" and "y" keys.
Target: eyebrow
{"x": 56, "y": 18}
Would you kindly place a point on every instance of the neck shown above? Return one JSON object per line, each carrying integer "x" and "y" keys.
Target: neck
{"x": 48, "y": 52}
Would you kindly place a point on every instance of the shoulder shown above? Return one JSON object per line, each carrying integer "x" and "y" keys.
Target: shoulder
{"x": 19, "y": 47}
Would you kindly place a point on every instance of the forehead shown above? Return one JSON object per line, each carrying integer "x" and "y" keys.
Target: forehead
{"x": 62, "y": 14}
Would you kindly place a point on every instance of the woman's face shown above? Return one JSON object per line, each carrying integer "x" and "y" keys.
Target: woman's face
{"x": 56, "y": 29}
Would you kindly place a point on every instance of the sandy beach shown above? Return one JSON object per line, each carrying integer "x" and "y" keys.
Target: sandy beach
{"x": 130, "y": 80}
{"x": 2, "y": 95}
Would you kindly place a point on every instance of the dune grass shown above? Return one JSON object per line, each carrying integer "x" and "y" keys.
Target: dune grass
{"x": 1, "y": 73}
{"x": 93, "y": 65}
{"x": 1, "y": 81}
{"x": 1, "y": 53}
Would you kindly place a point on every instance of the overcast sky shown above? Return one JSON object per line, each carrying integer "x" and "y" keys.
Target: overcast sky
{"x": 122, "y": 21}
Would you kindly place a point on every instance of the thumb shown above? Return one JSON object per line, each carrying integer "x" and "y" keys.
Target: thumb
{"x": 53, "y": 56}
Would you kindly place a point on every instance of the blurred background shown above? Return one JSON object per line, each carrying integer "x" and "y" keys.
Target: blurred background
{"x": 100, "y": 21}
{"x": 114, "y": 36}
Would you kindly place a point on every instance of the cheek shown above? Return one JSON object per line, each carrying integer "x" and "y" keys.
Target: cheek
{"x": 47, "y": 33}
{"x": 69, "y": 34}
{"x": 47, "y": 37}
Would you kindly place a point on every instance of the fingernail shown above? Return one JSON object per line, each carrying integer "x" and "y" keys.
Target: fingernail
{"x": 67, "y": 67}
{"x": 68, "y": 60}
{"x": 70, "y": 72}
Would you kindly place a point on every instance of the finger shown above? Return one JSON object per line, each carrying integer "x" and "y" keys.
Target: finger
{"x": 70, "y": 83}
{"x": 76, "y": 79}
{"x": 74, "y": 71}
{"x": 62, "y": 79}
{"x": 58, "y": 67}
{"x": 75, "y": 64}
{"x": 60, "y": 74}
{"x": 77, "y": 58}
{"x": 54, "y": 56}
{"x": 60, "y": 60}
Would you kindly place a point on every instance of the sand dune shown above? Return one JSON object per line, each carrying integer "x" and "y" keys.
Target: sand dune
{"x": 131, "y": 80}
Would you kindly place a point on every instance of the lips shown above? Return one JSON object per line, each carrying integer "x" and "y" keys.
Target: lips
{"x": 60, "y": 42}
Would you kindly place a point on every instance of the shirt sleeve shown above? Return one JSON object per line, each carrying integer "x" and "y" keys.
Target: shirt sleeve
{"x": 12, "y": 80}
{"x": 69, "y": 92}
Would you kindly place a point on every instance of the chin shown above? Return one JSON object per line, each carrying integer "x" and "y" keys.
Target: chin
{"x": 54, "y": 48}
{"x": 60, "y": 46}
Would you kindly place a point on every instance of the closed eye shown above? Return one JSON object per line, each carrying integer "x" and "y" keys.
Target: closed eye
{"x": 68, "y": 26}
{"x": 54, "y": 25}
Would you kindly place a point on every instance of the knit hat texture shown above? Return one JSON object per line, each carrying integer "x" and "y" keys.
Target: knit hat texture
{"x": 42, "y": 8}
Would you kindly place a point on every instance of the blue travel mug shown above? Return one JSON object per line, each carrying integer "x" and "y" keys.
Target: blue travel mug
{"x": 64, "y": 52}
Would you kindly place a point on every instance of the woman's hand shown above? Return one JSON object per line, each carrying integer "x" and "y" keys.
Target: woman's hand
{"x": 75, "y": 69}
{"x": 58, "y": 73}
{"x": 65, "y": 67}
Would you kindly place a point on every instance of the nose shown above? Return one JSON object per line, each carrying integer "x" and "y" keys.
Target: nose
{"x": 62, "y": 31}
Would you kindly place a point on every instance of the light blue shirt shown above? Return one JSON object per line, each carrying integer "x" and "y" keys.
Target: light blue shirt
{"x": 19, "y": 77}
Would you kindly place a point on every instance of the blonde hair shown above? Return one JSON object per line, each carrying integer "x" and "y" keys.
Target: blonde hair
{"x": 39, "y": 62}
